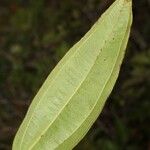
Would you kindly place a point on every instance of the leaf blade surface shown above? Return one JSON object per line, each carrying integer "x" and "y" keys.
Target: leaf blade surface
{"x": 75, "y": 92}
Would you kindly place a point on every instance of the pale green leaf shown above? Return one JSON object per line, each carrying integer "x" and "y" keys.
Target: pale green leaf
{"x": 75, "y": 92}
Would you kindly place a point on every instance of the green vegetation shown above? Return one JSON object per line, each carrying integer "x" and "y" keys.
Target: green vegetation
{"x": 34, "y": 35}
{"x": 74, "y": 94}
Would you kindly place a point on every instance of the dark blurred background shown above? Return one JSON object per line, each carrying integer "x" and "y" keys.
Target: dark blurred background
{"x": 34, "y": 36}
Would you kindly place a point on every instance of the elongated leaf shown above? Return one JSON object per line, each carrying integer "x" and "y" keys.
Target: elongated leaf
{"x": 75, "y": 92}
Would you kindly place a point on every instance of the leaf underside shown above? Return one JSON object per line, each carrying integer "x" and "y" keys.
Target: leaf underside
{"x": 75, "y": 92}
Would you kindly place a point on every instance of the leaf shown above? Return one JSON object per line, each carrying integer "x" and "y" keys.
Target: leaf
{"x": 75, "y": 92}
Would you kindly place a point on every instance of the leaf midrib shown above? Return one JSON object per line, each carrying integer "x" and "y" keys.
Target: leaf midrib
{"x": 76, "y": 91}
{"x": 28, "y": 123}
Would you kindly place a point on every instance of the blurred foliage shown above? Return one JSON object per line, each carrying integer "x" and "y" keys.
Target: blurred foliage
{"x": 34, "y": 36}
